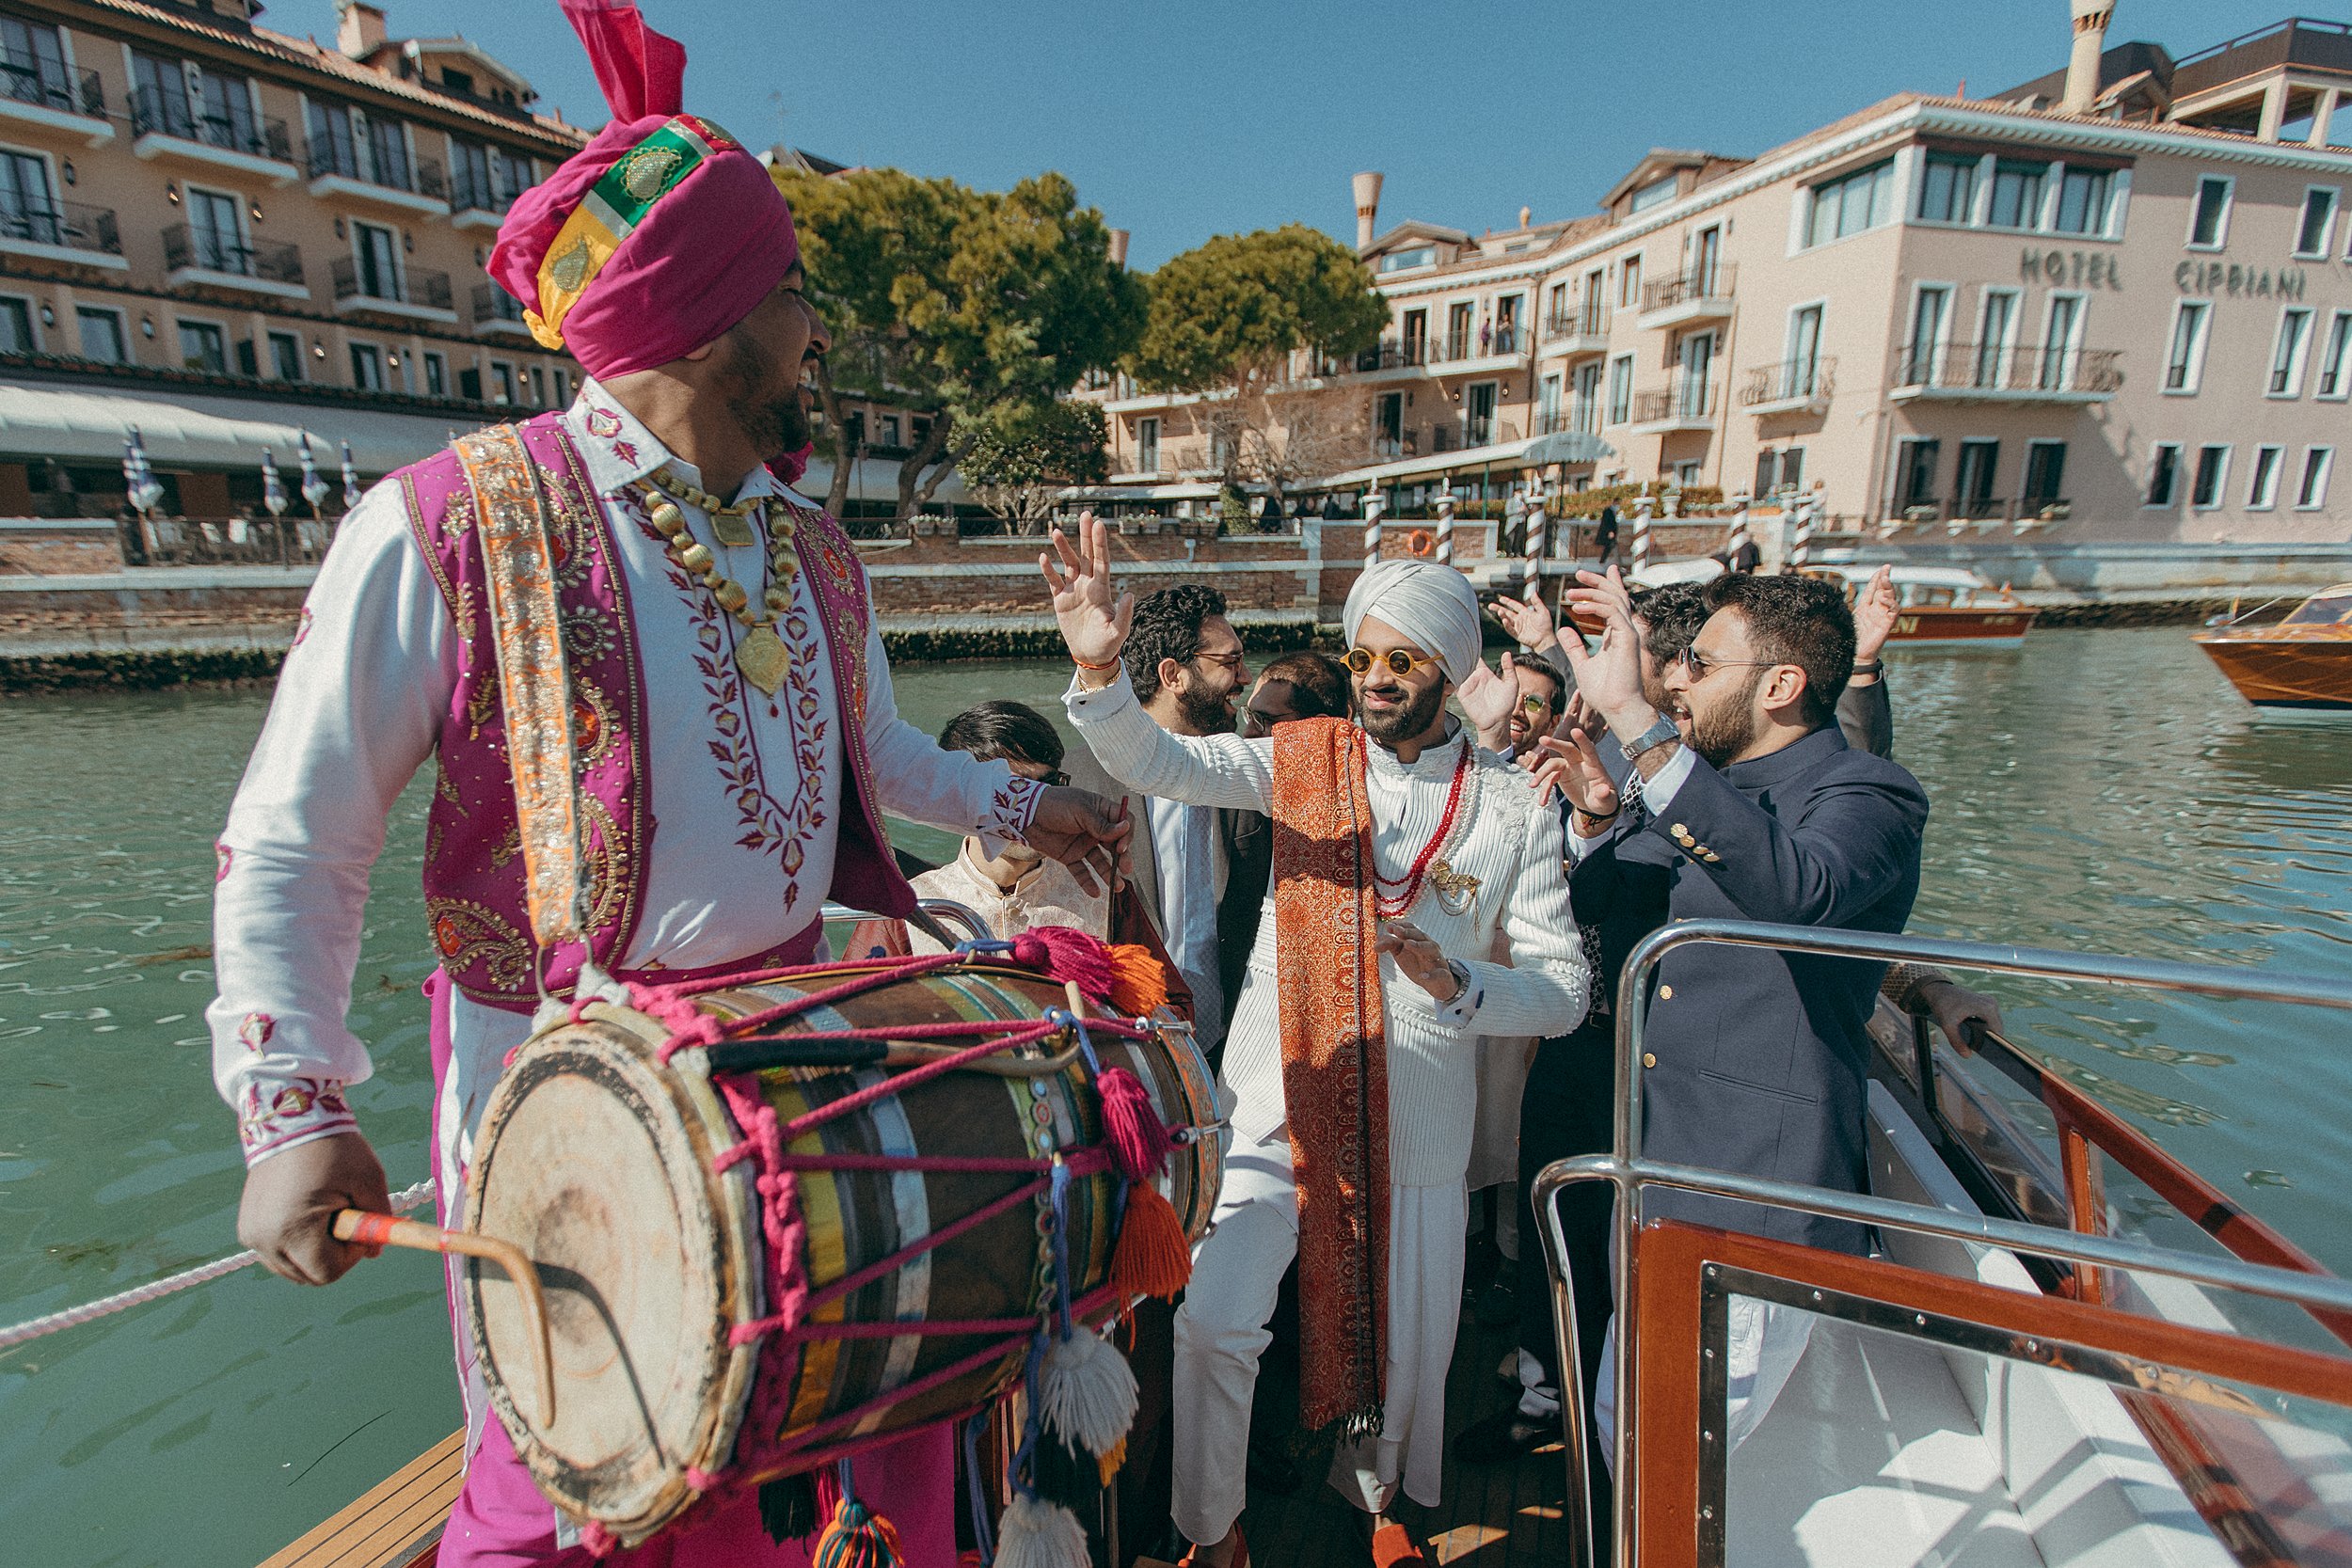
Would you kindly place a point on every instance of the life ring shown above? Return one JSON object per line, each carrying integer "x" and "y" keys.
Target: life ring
{"x": 1419, "y": 541}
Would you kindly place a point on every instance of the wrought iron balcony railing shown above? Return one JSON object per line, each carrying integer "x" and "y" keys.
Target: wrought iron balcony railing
{"x": 1690, "y": 399}
{"x": 417, "y": 176}
{"x": 255, "y": 135}
{"x": 70, "y": 223}
{"x": 203, "y": 249}
{"x": 2007, "y": 369}
{"x": 42, "y": 84}
{"x": 1791, "y": 381}
{"x": 421, "y": 286}
{"x": 494, "y": 304}
{"x": 1700, "y": 283}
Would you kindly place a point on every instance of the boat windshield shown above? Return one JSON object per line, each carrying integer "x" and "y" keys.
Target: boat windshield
{"x": 2331, "y": 608}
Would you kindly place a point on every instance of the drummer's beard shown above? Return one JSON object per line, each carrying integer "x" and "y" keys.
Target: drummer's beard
{"x": 771, "y": 405}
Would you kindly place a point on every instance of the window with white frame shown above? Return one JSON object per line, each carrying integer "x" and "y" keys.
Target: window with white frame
{"x": 1148, "y": 443}
{"x": 2318, "y": 223}
{"x": 2213, "y": 472}
{"x": 2085, "y": 196}
{"x": 2286, "y": 355}
{"x": 501, "y": 384}
{"x": 2311, "y": 490}
{"x": 436, "y": 374}
{"x": 1851, "y": 203}
{"x": 1948, "y": 188}
{"x": 285, "y": 356}
{"x": 203, "y": 346}
{"x": 2164, "y": 472}
{"x": 1997, "y": 332}
{"x": 16, "y": 325}
{"x": 1629, "y": 281}
{"x": 1621, "y": 388}
{"x": 2335, "y": 357}
{"x": 1931, "y": 309}
{"x": 2017, "y": 189}
{"x": 367, "y": 367}
{"x": 2209, "y": 219}
{"x": 101, "y": 335}
{"x": 1656, "y": 194}
{"x": 2061, "y": 340}
{"x": 2262, "y": 485}
{"x": 2184, "y": 360}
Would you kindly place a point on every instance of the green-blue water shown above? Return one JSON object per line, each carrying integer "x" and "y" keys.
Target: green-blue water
{"x": 2101, "y": 790}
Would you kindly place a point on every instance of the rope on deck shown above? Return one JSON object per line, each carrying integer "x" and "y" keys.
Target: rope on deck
{"x": 139, "y": 1295}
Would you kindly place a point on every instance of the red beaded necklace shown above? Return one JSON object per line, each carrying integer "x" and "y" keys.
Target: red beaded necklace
{"x": 1388, "y": 905}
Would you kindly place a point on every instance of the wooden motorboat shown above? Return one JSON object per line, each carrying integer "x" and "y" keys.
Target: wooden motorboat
{"x": 1944, "y": 606}
{"x": 2302, "y": 665}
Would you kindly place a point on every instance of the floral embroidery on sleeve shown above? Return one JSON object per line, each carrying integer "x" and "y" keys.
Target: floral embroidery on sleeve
{"x": 272, "y": 1115}
{"x": 256, "y": 1030}
{"x": 1009, "y": 808}
{"x": 222, "y": 856}
{"x": 302, "y": 628}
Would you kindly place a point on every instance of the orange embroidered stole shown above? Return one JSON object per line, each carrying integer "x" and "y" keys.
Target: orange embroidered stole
{"x": 1335, "y": 1082}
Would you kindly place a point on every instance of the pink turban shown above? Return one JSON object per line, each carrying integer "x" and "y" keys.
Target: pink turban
{"x": 658, "y": 236}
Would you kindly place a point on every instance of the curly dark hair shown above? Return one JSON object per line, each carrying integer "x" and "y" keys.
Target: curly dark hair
{"x": 1671, "y": 617}
{"x": 1167, "y": 625}
{"x": 1013, "y": 731}
{"x": 1800, "y": 620}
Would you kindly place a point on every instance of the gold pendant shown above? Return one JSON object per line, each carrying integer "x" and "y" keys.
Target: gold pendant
{"x": 733, "y": 528}
{"x": 1455, "y": 890}
{"x": 763, "y": 658}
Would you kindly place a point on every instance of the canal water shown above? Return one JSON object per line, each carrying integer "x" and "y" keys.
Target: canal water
{"x": 2101, "y": 790}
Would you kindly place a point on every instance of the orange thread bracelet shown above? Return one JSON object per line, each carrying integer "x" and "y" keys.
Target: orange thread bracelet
{"x": 1097, "y": 668}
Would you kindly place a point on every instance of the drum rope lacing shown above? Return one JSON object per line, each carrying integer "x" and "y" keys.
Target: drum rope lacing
{"x": 763, "y": 1446}
{"x": 187, "y": 1279}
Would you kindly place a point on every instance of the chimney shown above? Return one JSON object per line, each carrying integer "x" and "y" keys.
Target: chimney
{"x": 1119, "y": 249}
{"x": 2082, "y": 66}
{"x": 1527, "y": 216}
{"x": 358, "y": 28}
{"x": 1367, "y": 207}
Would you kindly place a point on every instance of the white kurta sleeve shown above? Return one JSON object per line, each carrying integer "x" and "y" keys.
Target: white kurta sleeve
{"x": 917, "y": 779}
{"x": 1543, "y": 990}
{"x": 1199, "y": 771}
{"x": 358, "y": 710}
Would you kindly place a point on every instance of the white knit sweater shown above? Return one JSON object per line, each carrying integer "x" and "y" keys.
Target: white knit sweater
{"x": 1511, "y": 846}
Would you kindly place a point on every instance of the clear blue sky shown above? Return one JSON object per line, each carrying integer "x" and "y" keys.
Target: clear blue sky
{"x": 1184, "y": 120}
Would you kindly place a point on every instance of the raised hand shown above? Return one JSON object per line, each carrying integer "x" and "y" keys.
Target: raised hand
{"x": 1527, "y": 621}
{"x": 1609, "y": 676}
{"x": 1094, "y": 622}
{"x": 1573, "y": 766}
{"x": 1419, "y": 956}
{"x": 1874, "y": 610}
{"x": 1488, "y": 700}
{"x": 291, "y": 1198}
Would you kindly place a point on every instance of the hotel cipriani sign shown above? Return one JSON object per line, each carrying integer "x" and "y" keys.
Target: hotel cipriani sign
{"x": 2092, "y": 269}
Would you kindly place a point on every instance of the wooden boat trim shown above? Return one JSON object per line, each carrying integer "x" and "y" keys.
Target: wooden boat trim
{"x": 396, "y": 1522}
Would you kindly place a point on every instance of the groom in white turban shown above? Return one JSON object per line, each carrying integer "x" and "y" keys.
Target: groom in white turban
{"x": 1400, "y": 849}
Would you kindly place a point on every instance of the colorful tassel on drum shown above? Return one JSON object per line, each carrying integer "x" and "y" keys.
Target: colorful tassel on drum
{"x": 1139, "y": 1139}
{"x": 1035, "y": 1533}
{"x": 856, "y": 1539}
{"x": 1085, "y": 1392}
{"x": 1139, "y": 980}
{"x": 788, "y": 1508}
{"x": 1067, "y": 956}
{"x": 1153, "y": 1258}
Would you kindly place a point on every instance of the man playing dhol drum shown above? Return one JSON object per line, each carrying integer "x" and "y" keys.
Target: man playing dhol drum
{"x": 621, "y": 593}
{"x": 1400, "y": 850}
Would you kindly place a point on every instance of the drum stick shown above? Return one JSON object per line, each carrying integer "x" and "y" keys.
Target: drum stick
{"x": 368, "y": 1230}
{"x": 758, "y": 1051}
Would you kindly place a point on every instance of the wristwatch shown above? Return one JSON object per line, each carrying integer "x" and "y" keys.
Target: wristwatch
{"x": 1461, "y": 973}
{"x": 1651, "y": 739}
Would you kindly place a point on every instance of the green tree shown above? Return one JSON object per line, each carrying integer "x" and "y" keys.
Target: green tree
{"x": 1226, "y": 320}
{"x": 971, "y": 307}
{"x": 1018, "y": 464}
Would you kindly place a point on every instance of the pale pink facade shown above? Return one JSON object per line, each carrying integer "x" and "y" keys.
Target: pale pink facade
{"x": 1936, "y": 314}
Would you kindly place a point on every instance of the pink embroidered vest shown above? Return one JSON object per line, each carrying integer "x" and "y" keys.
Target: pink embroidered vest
{"x": 475, "y": 897}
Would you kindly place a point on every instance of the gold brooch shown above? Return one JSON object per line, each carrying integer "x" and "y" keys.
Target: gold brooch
{"x": 569, "y": 271}
{"x": 649, "y": 171}
{"x": 1456, "y": 889}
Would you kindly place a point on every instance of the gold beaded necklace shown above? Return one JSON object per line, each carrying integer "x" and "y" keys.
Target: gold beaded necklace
{"x": 731, "y": 522}
{"x": 759, "y": 652}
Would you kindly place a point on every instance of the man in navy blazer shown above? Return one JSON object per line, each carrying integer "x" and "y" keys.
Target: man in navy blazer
{"x": 1751, "y": 805}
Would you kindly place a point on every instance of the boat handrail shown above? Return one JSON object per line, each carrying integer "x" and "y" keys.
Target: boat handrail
{"x": 1631, "y": 1174}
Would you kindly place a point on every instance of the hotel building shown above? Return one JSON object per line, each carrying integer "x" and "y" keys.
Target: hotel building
{"x": 2114, "y": 303}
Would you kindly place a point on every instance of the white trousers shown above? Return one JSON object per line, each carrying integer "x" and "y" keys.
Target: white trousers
{"x": 1220, "y": 1333}
{"x": 1767, "y": 1341}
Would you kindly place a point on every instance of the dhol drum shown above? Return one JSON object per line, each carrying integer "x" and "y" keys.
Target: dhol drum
{"x": 751, "y": 1270}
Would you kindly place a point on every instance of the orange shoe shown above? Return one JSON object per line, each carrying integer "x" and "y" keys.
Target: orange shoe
{"x": 1241, "y": 1554}
{"x": 1392, "y": 1545}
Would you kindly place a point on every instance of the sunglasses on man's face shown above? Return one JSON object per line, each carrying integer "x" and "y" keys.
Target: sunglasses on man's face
{"x": 1536, "y": 705}
{"x": 1700, "y": 664}
{"x": 1401, "y": 663}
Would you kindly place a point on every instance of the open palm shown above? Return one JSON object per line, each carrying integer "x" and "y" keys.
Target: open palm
{"x": 1093, "y": 620}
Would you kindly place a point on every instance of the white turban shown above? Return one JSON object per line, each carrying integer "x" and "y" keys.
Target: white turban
{"x": 1433, "y": 606}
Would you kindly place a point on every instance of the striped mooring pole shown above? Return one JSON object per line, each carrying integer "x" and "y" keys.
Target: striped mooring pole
{"x": 1539, "y": 540}
{"x": 1375, "y": 504}
{"x": 1445, "y": 528}
{"x": 1800, "y": 553}
{"x": 1641, "y": 505}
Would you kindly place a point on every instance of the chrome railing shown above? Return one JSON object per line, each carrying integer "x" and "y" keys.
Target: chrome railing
{"x": 1632, "y": 1176}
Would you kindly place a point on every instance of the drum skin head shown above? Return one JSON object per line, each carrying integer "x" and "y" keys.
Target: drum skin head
{"x": 594, "y": 1162}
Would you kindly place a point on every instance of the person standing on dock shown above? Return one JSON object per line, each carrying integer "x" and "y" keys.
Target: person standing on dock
{"x": 719, "y": 725}
{"x": 1399, "y": 852}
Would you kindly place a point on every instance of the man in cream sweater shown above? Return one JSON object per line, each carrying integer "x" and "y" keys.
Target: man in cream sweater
{"x": 1401, "y": 851}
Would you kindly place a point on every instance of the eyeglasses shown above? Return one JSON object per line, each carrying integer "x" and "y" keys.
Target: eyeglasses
{"x": 1699, "y": 663}
{"x": 1230, "y": 661}
{"x": 1536, "y": 705}
{"x": 1400, "y": 663}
